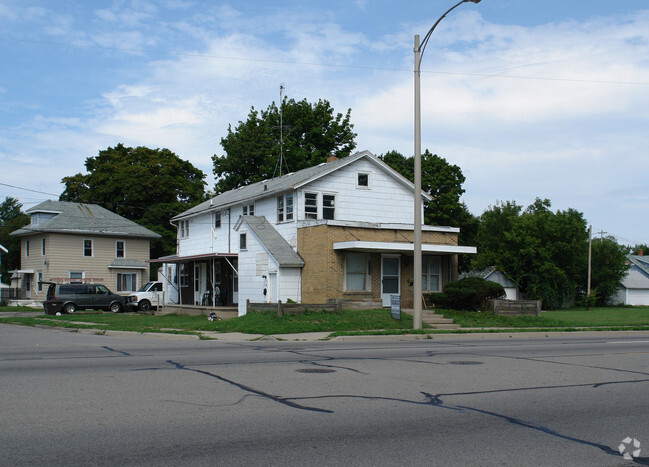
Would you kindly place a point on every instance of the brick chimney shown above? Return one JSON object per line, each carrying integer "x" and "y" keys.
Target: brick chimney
{"x": 641, "y": 252}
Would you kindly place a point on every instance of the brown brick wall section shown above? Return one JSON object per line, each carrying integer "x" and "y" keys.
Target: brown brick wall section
{"x": 323, "y": 273}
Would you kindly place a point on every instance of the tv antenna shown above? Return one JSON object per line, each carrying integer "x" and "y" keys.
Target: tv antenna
{"x": 281, "y": 161}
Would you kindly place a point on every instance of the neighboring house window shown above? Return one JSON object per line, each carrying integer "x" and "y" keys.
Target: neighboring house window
{"x": 39, "y": 284}
{"x": 43, "y": 246}
{"x": 184, "y": 275}
{"x": 363, "y": 180}
{"x": 26, "y": 247}
{"x": 184, "y": 229}
{"x": 126, "y": 282}
{"x": 217, "y": 220}
{"x": 87, "y": 248}
{"x": 357, "y": 272}
{"x": 285, "y": 207}
{"x": 119, "y": 249}
{"x": 328, "y": 206}
{"x": 249, "y": 210}
{"x": 76, "y": 276}
{"x": 310, "y": 205}
{"x": 242, "y": 242}
{"x": 430, "y": 273}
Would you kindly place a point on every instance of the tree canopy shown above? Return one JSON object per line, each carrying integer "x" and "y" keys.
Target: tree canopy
{"x": 147, "y": 186}
{"x": 544, "y": 252}
{"x": 608, "y": 268}
{"x": 11, "y": 218}
{"x": 309, "y": 133}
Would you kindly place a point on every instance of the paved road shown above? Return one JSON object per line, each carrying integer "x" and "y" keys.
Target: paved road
{"x": 74, "y": 399}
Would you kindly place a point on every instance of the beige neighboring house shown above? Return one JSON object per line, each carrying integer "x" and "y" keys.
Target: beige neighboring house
{"x": 73, "y": 242}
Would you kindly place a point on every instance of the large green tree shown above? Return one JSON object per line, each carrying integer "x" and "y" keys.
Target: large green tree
{"x": 11, "y": 218}
{"x": 147, "y": 186}
{"x": 306, "y": 136}
{"x": 545, "y": 252}
{"x": 608, "y": 268}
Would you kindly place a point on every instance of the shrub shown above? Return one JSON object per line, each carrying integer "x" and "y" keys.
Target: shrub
{"x": 470, "y": 293}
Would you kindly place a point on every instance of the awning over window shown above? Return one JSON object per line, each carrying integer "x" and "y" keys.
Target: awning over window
{"x": 394, "y": 247}
{"x": 182, "y": 259}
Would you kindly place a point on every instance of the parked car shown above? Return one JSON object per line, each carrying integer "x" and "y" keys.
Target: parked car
{"x": 150, "y": 295}
{"x": 68, "y": 298}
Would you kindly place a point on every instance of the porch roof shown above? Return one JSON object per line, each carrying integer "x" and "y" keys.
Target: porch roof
{"x": 395, "y": 247}
{"x": 182, "y": 259}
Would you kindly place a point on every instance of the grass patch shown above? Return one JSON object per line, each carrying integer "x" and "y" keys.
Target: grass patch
{"x": 368, "y": 322}
{"x": 635, "y": 317}
{"x": 19, "y": 308}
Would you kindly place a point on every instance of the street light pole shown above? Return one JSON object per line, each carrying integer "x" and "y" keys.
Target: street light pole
{"x": 416, "y": 266}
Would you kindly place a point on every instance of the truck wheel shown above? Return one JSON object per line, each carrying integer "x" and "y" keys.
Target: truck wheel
{"x": 115, "y": 307}
{"x": 69, "y": 308}
{"x": 145, "y": 305}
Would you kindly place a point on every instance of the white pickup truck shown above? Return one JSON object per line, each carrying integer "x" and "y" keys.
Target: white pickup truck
{"x": 150, "y": 295}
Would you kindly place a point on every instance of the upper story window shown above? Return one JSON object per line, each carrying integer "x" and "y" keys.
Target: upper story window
{"x": 87, "y": 248}
{"x": 243, "y": 242}
{"x": 363, "y": 180}
{"x": 249, "y": 210}
{"x": 26, "y": 247}
{"x": 217, "y": 219}
{"x": 328, "y": 207}
{"x": 43, "y": 246}
{"x": 285, "y": 207}
{"x": 183, "y": 228}
{"x": 310, "y": 205}
{"x": 119, "y": 249}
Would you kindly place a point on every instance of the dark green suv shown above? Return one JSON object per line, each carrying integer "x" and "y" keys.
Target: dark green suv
{"x": 68, "y": 298}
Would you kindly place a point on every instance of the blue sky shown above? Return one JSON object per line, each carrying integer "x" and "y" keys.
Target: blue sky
{"x": 530, "y": 98}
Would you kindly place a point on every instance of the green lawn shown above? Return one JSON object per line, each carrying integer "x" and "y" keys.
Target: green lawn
{"x": 578, "y": 317}
{"x": 252, "y": 323}
{"x": 345, "y": 323}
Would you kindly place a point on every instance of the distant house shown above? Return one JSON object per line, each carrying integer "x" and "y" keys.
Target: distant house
{"x": 74, "y": 242}
{"x": 339, "y": 230}
{"x": 634, "y": 289}
{"x": 494, "y": 275}
{"x": 3, "y": 250}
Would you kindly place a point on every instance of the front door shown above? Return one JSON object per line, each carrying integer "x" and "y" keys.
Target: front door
{"x": 390, "y": 278}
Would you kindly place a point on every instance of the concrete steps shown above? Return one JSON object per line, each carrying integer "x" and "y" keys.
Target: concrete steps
{"x": 434, "y": 320}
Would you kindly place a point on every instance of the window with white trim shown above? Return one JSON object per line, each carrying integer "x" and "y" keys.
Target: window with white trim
{"x": 126, "y": 282}
{"x": 217, "y": 219}
{"x": 87, "y": 247}
{"x": 249, "y": 210}
{"x": 328, "y": 207}
{"x": 363, "y": 180}
{"x": 119, "y": 249}
{"x": 43, "y": 247}
{"x": 431, "y": 267}
{"x": 285, "y": 207}
{"x": 310, "y": 205}
{"x": 357, "y": 272}
{"x": 243, "y": 242}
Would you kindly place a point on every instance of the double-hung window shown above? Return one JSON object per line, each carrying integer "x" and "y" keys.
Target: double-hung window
{"x": 119, "y": 249}
{"x": 431, "y": 273}
{"x": 310, "y": 205}
{"x": 328, "y": 207}
{"x": 249, "y": 210}
{"x": 87, "y": 248}
{"x": 183, "y": 228}
{"x": 357, "y": 272}
{"x": 285, "y": 207}
{"x": 126, "y": 282}
{"x": 217, "y": 220}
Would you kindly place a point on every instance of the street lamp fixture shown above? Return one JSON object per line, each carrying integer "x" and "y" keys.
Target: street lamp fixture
{"x": 419, "y": 52}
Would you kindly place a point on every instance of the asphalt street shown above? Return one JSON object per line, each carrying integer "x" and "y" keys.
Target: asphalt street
{"x": 76, "y": 399}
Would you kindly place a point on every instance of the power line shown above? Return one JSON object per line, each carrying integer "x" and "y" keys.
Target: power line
{"x": 28, "y": 189}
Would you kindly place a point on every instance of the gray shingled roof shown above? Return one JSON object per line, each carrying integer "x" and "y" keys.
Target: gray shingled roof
{"x": 83, "y": 219}
{"x": 276, "y": 245}
{"x": 284, "y": 183}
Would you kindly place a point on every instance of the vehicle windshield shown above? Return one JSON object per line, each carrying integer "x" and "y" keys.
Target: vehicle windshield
{"x": 145, "y": 287}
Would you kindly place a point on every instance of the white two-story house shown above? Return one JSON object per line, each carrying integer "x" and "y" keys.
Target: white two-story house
{"x": 339, "y": 230}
